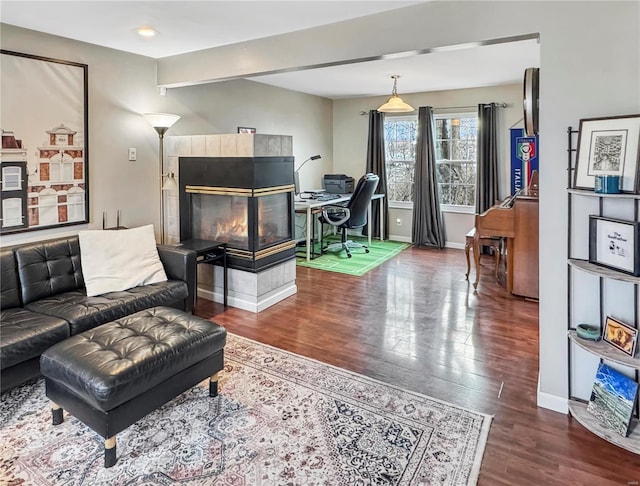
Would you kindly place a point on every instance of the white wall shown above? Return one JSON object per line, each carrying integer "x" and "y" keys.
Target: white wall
{"x": 222, "y": 107}
{"x": 350, "y": 132}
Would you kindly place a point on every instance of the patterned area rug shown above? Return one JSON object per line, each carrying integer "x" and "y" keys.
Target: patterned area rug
{"x": 280, "y": 419}
{"x": 360, "y": 262}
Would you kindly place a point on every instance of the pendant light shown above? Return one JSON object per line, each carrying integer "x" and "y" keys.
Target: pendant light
{"x": 395, "y": 103}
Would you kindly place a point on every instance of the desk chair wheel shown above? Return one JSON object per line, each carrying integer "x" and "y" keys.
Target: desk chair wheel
{"x": 366, "y": 250}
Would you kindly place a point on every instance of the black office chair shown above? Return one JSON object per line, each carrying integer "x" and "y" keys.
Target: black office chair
{"x": 352, "y": 215}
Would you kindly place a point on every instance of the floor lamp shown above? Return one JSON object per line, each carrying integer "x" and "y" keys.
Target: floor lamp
{"x": 161, "y": 122}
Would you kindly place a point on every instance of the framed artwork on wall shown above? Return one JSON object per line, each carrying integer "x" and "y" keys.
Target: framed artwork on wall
{"x": 44, "y": 179}
{"x": 608, "y": 146}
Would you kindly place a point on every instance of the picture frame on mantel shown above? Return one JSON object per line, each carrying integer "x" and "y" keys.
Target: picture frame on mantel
{"x": 608, "y": 146}
{"x": 246, "y": 130}
{"x": 45, "y": 153}
{"x": 614, "y": 243}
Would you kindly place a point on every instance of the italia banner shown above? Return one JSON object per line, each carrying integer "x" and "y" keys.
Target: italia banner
{"x": 524, "y": 158}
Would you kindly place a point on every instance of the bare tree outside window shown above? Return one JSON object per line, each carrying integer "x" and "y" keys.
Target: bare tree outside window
{"x": 456, "y": 139}
{"x": 400, "y": 145}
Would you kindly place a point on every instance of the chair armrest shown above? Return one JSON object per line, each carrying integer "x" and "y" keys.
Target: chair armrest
{"x": 335, "y": 215}
{"x": 180, "y": 264}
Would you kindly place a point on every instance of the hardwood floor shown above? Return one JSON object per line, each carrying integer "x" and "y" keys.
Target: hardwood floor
{"x": 417, "y": 323}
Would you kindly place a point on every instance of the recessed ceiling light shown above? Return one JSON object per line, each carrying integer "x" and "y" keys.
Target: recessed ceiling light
{"x": 146, "y": 31}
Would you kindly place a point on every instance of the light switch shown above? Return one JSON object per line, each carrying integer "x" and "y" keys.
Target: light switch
{"x": 132, "y": 154}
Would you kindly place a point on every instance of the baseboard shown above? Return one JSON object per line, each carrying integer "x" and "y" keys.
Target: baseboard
{"x": 407, "y": 239}
{"x": 274, "y": 297}
{"x": 552, "y": 402}
{"x": 453, "y": 244}
{"x": 402, "y": 239}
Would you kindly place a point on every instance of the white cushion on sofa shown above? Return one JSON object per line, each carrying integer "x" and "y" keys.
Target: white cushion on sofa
{"x": 114, "y": 260}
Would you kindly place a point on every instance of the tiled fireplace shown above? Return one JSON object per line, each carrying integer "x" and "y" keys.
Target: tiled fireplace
{"x": 236, "y": 189}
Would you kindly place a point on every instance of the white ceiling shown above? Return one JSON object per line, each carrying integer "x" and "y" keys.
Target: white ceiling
{"x": 186, "y": 26}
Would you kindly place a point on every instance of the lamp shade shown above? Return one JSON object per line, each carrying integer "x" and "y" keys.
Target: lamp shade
{"x": 170, "y": 183}
{"x": 161, "y": 120}
{"x": 395, "y": 103}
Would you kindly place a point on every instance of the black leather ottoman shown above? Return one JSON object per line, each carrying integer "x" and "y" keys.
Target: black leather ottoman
{"x": 113, "y": 375}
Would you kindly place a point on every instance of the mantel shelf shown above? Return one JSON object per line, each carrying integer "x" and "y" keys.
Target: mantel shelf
{"x": 632, "y": 443}
{"x": 601, "y": 271}
{"x": 588, "y": 192}
{"x": 604, "y": 350}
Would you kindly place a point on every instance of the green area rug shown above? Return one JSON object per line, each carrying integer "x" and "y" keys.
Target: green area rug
{"x": 360, "y": 262}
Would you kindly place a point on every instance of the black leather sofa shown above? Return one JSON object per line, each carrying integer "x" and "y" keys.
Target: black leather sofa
{"x": 43, "y": 300}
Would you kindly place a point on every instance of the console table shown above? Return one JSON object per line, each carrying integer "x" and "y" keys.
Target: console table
{"x": 210, "y": 252}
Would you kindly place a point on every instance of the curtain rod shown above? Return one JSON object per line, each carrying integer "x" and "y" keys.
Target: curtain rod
{"x": 498, "y": 105}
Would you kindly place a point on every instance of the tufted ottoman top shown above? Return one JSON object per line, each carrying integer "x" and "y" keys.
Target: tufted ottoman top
{"x": 120, "y": 360}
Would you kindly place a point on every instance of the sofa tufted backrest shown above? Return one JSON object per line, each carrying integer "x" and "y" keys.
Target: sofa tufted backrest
{"x": 9, "y": 292}
{"x": 49, "y": 268}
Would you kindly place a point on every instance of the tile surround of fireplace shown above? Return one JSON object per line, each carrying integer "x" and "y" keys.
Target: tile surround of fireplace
{"x": 262, "y": 258}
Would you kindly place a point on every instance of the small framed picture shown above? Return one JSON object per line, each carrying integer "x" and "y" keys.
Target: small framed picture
{"x": 246, "y": 130}
{"x": 608, "y": 146}
{"x": 621, "y": 336}
{"x": 615, "y": 243}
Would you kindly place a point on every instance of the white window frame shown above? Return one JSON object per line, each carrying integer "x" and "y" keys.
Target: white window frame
{"x": 456, "y": 208}
{"x": 447, "y": 208}
{"x": 400, "y": 204}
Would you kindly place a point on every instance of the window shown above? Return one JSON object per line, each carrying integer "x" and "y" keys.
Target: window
{"x": 400, "y": 146}
{"x": 75, "y": 204}
{"x": 11, "y": 178}
{"x": 456, "y": 136}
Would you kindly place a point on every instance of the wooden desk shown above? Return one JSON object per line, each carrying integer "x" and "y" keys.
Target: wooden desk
{"x": 309, "y": 205}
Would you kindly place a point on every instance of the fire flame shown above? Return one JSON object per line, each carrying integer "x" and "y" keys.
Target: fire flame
{"x": 232, "y": 229}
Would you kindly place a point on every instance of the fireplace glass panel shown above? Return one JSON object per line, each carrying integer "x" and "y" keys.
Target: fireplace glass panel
{"x": 274, "y": 223}
{"x": 221, "y": 218}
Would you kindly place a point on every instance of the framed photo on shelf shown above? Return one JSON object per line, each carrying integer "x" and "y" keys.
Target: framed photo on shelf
{"x": 613, "y": 398}
{"x": 614, "y": 243}
{"x": 246, "y": 130}
{"x": 621, "y": 336}
{"x": 608, "y": 146}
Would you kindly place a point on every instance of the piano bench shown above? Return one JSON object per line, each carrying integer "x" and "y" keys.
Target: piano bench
{"x": 494, "y": 243}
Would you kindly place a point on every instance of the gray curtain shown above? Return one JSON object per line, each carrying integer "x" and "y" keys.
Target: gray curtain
{"x": 376, "y": 164}
{"x": 487, "y": 183}
{"x": 428, "y": 224}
